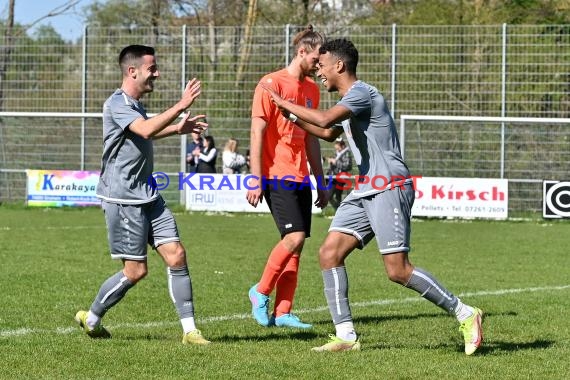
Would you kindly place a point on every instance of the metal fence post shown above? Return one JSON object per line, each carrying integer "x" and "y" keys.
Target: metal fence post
{"x": 287, "y": 38}
{"x": 403, "y": 136}
{"x": 83, "y": 94}
{"x": 393, "y": 84}
{"x": 503, "y": 98}
{"x": 183, "y": 138}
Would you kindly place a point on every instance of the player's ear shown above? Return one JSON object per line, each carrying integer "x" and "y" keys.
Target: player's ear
{"x": 132, "y": 71}
{"x": 340, "y": 66}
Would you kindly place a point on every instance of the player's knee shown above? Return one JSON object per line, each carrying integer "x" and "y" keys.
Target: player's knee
{"x": 135, "y": 273}
{"x": 173, "y": 254}
{"x": 178, "y": 257}
{"x": 294, "y": 241}
{"x": 397, "y": 274}
{"x": 329, "y": 257}
{"x": 395, "y": 277}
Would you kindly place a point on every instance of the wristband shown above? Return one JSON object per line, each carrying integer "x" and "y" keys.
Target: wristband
{"x": 292, "y": 117}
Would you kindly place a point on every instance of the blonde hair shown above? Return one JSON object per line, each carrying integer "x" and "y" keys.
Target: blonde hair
{"x": 231, "y": 145}
{"x": 308, "y": 38}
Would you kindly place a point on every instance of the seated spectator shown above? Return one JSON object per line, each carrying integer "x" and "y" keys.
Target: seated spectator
{"x": 207, "y": 156}
{"x": 233, "y": 162}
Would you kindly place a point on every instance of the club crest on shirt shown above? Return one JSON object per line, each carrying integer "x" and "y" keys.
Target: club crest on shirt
{"x": 308, "y": 103}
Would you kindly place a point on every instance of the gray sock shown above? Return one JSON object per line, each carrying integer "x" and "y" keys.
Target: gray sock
{"x": 336, "y": 293}
{"x": 425, "y": 284}
{"x": 180, "y": 289}
{"x": 112, "y": 291}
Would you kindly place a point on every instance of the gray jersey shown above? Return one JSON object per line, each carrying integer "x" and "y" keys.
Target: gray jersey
{"x": 373, "y": 140}
{"x": 127, "y": 161}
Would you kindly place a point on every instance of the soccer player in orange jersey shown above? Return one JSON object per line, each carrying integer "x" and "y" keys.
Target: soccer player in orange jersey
{"x": 279, "y": 153}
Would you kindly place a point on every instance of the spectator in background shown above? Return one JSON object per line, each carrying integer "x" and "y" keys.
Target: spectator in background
{"x": 191, "y": 160}
{"x": 247, "y": 165}
{"x": 233, "y": 162}
{"x": 340, "y": 163}
{"x": 207, "y": 156}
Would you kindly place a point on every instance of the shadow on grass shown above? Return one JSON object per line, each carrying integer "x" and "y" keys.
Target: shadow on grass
{"x": 148, "y": 336}
{"x": 497, "y": 347}
{"x": 491, "y": 348}
{"x": 488, "y": 348}
{"x": 277, "y": 335}
{"x": 414, "y": 316}
{"x": 397, "y": 317}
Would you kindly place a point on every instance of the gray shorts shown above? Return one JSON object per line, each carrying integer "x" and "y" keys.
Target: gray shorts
{"x": 131, "y": 227}
{"x": 386, "y": 215}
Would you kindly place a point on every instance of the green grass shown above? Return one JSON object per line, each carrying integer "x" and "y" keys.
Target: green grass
{"x": 53, "y": 261}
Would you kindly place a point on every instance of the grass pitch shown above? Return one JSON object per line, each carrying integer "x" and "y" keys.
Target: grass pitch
{"x": 53, "y": 261}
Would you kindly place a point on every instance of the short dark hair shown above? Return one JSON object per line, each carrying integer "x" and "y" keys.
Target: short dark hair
{"x": 131, "y": 54}
{"x": 344, "y": 50}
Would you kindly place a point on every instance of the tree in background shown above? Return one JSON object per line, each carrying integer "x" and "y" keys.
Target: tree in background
{"x": 468, "y": 12}
{"x": 12, "y": 31}
{"x": 113, "y": 23}
{"x": 131, "y": 14}
{"x": 6, "y": 50}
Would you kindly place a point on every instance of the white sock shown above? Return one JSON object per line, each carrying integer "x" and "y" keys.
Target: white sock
{"x": 462, "y": 311}
{"x": 188, "y": 324}
{"x": 93, "y": 320}
{"x": 345, "y": 331}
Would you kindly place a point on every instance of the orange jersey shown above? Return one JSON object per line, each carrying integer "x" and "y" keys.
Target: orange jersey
{"x": 284, "y": 151}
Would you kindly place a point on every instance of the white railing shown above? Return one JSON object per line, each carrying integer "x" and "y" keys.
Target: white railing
{"x": 483, "y": 119}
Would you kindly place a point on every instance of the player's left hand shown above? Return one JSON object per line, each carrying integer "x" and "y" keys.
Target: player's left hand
{"x": 191, "y": 124}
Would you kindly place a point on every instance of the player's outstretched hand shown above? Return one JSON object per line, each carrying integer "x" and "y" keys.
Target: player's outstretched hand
{"x": 276, "y": 99}
{"x": 191, "y": 124}
{"x": 191, "y": 92}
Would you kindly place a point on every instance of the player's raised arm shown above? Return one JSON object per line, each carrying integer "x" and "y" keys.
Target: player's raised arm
{"x": 328, "y": 134}
{"x": 154, "y": 126}
{"x": 319, "y": 118}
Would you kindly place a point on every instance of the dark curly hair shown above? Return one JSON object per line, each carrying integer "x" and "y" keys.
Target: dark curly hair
{"x": 344, "y": 50}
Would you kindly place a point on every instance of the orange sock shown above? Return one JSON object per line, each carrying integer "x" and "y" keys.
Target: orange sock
{"x": 276, "y": 263}
{"x": 286, "y": 286}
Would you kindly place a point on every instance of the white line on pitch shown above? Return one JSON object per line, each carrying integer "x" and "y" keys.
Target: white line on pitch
{"x": 7, "y": 228}
{"x": 67, "y": 330}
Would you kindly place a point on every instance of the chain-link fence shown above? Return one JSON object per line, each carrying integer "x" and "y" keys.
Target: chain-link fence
{"x": 503, "y": 70}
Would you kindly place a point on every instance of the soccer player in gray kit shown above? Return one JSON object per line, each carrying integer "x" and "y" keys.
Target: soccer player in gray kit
{"x": 135, "y": 213}
{"x": 370, "y": 210}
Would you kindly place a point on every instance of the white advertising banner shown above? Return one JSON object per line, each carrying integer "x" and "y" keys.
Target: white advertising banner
{"x": 435, "y": 196}
{"x": 461, "y": 197}
{"x": 223, "y": 192}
